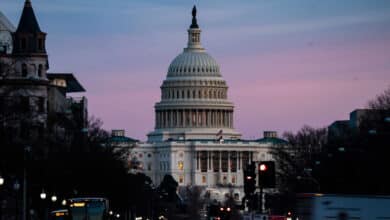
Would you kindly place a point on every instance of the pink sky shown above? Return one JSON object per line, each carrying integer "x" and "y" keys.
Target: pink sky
{"x": 274, "y": 91}
{"x": 287, "y": 64}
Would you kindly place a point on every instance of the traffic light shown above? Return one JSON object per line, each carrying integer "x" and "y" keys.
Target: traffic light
{"x": 250, "y": 179}
{"x": 267, "y": 174}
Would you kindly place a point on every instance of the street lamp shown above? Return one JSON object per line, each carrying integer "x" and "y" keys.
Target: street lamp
{"x": 16, "y": 188}
{"x": 1, "y": 199}
{"x": 42, "y": 195}
{"x": 1, "y": 180}
{"x": 63, "y": 202}
{"x": 53, "y": 198}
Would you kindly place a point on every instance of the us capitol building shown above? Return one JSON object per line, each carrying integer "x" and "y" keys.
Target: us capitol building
{"x": 194, "y": 139}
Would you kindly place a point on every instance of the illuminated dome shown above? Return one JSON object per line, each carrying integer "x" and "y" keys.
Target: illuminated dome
{"x": 194, "y": 102}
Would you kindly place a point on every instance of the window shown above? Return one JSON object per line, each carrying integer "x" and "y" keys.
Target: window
{"x": 24, "y": 70}
{"x": 245, "y": 159}
{"x": 149, "y": 166}
{"x": 204, "y": 179}
{"x": 233, "y": 161}
{"x": 233, "y": 179}
{"x": 40, "y": 70}
{"x": 41, "y": 104}
{"x": 216, "y": 161}
{"x": 203, "y": 161}
{"x": 224, "y": 161}
{"x": 40, "y": 44}
{"x": 181, "y": 179}
{"x": 180, "y": 165}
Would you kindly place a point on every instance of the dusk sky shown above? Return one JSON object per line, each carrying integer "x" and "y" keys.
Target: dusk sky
{"x": 287, "y": 63}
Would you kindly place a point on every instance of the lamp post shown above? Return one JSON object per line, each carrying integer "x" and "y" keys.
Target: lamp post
{"x": 16, "y": 188}
{"x": 43, "y": 196}
{"x": 1, "y": 198}
{"x": 27, "y": 150}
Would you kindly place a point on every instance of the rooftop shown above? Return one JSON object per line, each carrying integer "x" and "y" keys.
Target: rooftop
{"x": 72, "y": 84}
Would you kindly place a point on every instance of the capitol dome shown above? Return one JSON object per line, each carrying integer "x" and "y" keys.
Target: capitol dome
{"x": 194, "y": 102}
{"x": 194, "y": 63}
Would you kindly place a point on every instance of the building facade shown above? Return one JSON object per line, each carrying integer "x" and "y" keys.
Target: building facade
{"x": 30, "y": 96}
{"x": 194, "y": 138}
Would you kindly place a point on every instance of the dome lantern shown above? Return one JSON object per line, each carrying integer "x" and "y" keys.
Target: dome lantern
{"x": 194, "y": 34}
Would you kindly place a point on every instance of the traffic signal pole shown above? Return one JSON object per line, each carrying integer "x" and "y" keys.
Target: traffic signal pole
{"x": 261, "y": 200}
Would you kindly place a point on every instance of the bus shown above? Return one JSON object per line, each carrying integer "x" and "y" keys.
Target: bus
{"x": 88, "y": 208}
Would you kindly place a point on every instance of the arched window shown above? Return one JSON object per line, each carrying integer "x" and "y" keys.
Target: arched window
{"x": 193, "y": 94}
{"x": 188, "y": 94}
{"x": 40, "y": 70}
{"x": 215, "y": 94}
{"x": 24, "y": 70}
{"x": 182, "y": 94}
{"x": 210, "y": 94}
{"x": 200, "y": 94}
{"x": 177, "y": 94}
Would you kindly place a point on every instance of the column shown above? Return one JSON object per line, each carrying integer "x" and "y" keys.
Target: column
{"x": 190, "y": 114}
{"x": 229, "y": 165}
{"x": 205, "y": 118}
{"x": 225, "y": 118}
{"x": 231, "y": 119}
{"x": 214, "y": 118}
{"x": 196, "y": 118}
{"x": 208, "y": 118}
{"x": 177, "y": 118}
{"x": 184, "y": 118}
{"x": 159, "y": 119}
{"x": 162, "y": 119}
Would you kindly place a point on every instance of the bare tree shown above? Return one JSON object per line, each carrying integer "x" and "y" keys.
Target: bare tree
{"x": 381, "y": 102}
